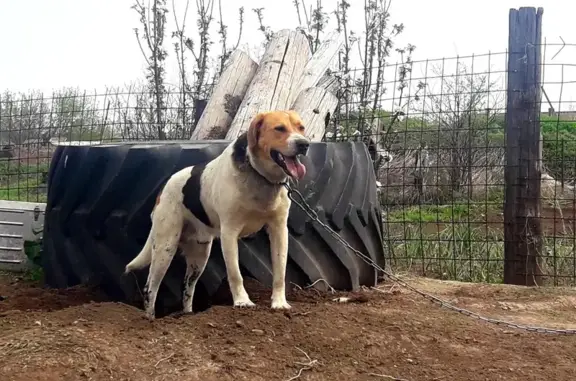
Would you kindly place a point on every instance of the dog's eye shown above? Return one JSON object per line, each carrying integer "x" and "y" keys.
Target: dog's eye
{"x": 280, "y": 128}
{"x": 302, "y": 128}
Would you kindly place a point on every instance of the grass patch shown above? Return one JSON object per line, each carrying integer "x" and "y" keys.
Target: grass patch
{"x": 30, "y": 189}
{"x": 23, "y": 182}
{"x": 458, "y": 212}
{"x": 472, "y": 254}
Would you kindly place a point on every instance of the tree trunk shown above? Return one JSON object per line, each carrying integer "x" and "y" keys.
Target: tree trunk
{"x": 320, "y": 62}
{"x": 283, "y": 62}
{"x": 316, "y": 106}
{"x": 226, "y": 97}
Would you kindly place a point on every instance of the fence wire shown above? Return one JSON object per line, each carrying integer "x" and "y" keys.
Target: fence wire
{"x": 434, "y": 128}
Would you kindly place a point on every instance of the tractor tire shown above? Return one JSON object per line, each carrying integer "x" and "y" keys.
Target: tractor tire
{"x": 98, "y": 218}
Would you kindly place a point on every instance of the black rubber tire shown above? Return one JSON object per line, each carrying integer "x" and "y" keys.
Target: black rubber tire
{"x": 98, "y": 218}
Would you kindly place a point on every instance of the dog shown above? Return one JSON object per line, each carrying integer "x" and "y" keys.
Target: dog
{"x": 233, "y": 196}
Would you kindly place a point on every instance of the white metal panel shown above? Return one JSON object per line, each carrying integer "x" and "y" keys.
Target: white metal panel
{"x": 19, "y": 222}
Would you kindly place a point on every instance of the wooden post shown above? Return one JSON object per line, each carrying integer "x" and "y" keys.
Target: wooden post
{"x": 317, "y": 66}
{"x": 522, "y": 225}
{"x": 281, "y": 65}
{"x": 231, "y": 88}
{"x": 315, "y": 105}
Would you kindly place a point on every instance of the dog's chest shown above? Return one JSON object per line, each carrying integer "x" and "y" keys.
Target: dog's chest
{"x": 253, "y": 221}
{"x": 262, "y": 198}
{"x": 251, "y": 228}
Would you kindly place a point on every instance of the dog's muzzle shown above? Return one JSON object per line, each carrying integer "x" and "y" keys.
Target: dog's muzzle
{"x": 290, "y": 162}
{"x": 302, "y": 147}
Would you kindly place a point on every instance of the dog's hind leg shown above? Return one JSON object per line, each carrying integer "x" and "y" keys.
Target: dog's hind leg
{"x": 196, "y": 253}
{"x": 165, "y": 236}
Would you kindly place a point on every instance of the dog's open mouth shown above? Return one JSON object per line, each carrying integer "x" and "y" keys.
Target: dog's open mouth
{"x": 290, "y": 164}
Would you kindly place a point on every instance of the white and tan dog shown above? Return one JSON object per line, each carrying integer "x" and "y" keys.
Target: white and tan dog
{"x": 231, "y": 197}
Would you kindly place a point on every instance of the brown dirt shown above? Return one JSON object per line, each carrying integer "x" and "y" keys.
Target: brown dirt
{"x": 50, "y": 335}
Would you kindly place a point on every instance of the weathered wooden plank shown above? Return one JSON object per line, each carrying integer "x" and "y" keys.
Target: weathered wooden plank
{"x": 522, "y": 225}
{"x": 330, "y": 83}
{"x": 320, "y": 62}
{"x": 282, "y": 63}
{"x": 316, "y": 106}
{"x": 226, "y": 97}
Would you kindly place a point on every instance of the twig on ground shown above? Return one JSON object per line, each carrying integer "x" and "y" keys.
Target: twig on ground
{"x": 387, "y": 377}
{"x": 389, "y": 291}
{"x": 163, "y": 359}
{"x": 305, "y": 366}
{"x": 332, "y": 290}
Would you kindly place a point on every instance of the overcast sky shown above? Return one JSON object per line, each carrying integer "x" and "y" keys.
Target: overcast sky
{"x": 48, "y": 44}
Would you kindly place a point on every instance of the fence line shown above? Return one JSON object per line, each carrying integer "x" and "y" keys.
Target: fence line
{"x": 435, "y": 128}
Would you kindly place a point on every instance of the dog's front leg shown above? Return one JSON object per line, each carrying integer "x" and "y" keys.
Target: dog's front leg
{"x": 229, "y": 240}
{"x": 278, "y": 234}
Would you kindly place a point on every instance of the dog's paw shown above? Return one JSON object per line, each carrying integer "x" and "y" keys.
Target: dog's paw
{"x": 280, "y": 305}
{"x": 244, "y": 303}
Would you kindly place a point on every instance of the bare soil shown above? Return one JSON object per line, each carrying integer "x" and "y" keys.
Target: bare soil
{"x": 382, "y": 334}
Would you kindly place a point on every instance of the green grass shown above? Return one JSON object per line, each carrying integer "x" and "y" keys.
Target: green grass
{"x": 22, "y": 182}
{"x": 469, "y": 253}
{"x": 457, "y": 252}
{"x": 455, "y": 242}
{"x": 457, "y": 212}
{"x": 29, "y": 189}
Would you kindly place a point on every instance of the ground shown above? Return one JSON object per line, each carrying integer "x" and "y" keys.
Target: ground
{"x": 388, "y": 332}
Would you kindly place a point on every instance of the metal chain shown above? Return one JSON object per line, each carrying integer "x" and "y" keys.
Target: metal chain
{"x": 434, "y": 299}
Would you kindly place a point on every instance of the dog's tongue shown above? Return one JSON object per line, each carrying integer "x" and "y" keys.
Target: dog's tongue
{"x": 296, "y": 168}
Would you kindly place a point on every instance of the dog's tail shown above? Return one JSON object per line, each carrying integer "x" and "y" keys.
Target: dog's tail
{"x": 143, "y": 259}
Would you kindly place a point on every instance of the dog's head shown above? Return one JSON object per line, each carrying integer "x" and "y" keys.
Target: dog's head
{"x": 276, "y": 139}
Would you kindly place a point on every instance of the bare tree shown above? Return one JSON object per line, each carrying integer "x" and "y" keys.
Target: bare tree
{"x": 314, "y": 22}
{"x": 223, "y": 32}
{"x": 266, "y": 31}
{"x": 185, "y": 101}
{"x": 153, "y": 23}
{"x": 23, "y": 117}
{"x": 344, "y": 58}
{"x": 463, "y": 110}
{"x": 366, "y": 90}
{"x": 68, "y": 113}
{"x": 205, "y": 10}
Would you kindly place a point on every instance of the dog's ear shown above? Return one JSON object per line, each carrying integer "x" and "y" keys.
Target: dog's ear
{"x": 254, "y": 130}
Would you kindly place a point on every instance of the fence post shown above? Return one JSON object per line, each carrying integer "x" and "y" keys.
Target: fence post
{"x": 522, "y": 225}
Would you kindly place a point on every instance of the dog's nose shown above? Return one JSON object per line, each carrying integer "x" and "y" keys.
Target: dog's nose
{"x": 302, "y": 146}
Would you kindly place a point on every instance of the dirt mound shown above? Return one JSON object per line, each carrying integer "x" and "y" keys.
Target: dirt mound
{"x": 73, "y": 335}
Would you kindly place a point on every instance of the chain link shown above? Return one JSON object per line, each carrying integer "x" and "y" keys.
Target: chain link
{"x": 434, "y": 299}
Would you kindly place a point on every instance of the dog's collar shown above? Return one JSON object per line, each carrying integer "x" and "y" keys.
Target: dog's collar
{"x": 242, "y": 157}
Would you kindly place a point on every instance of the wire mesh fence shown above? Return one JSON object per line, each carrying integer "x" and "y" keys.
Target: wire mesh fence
{"x": 439, "y": 153}
{"x": 436, "y": 130}
{"x": 441, "y": 136}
